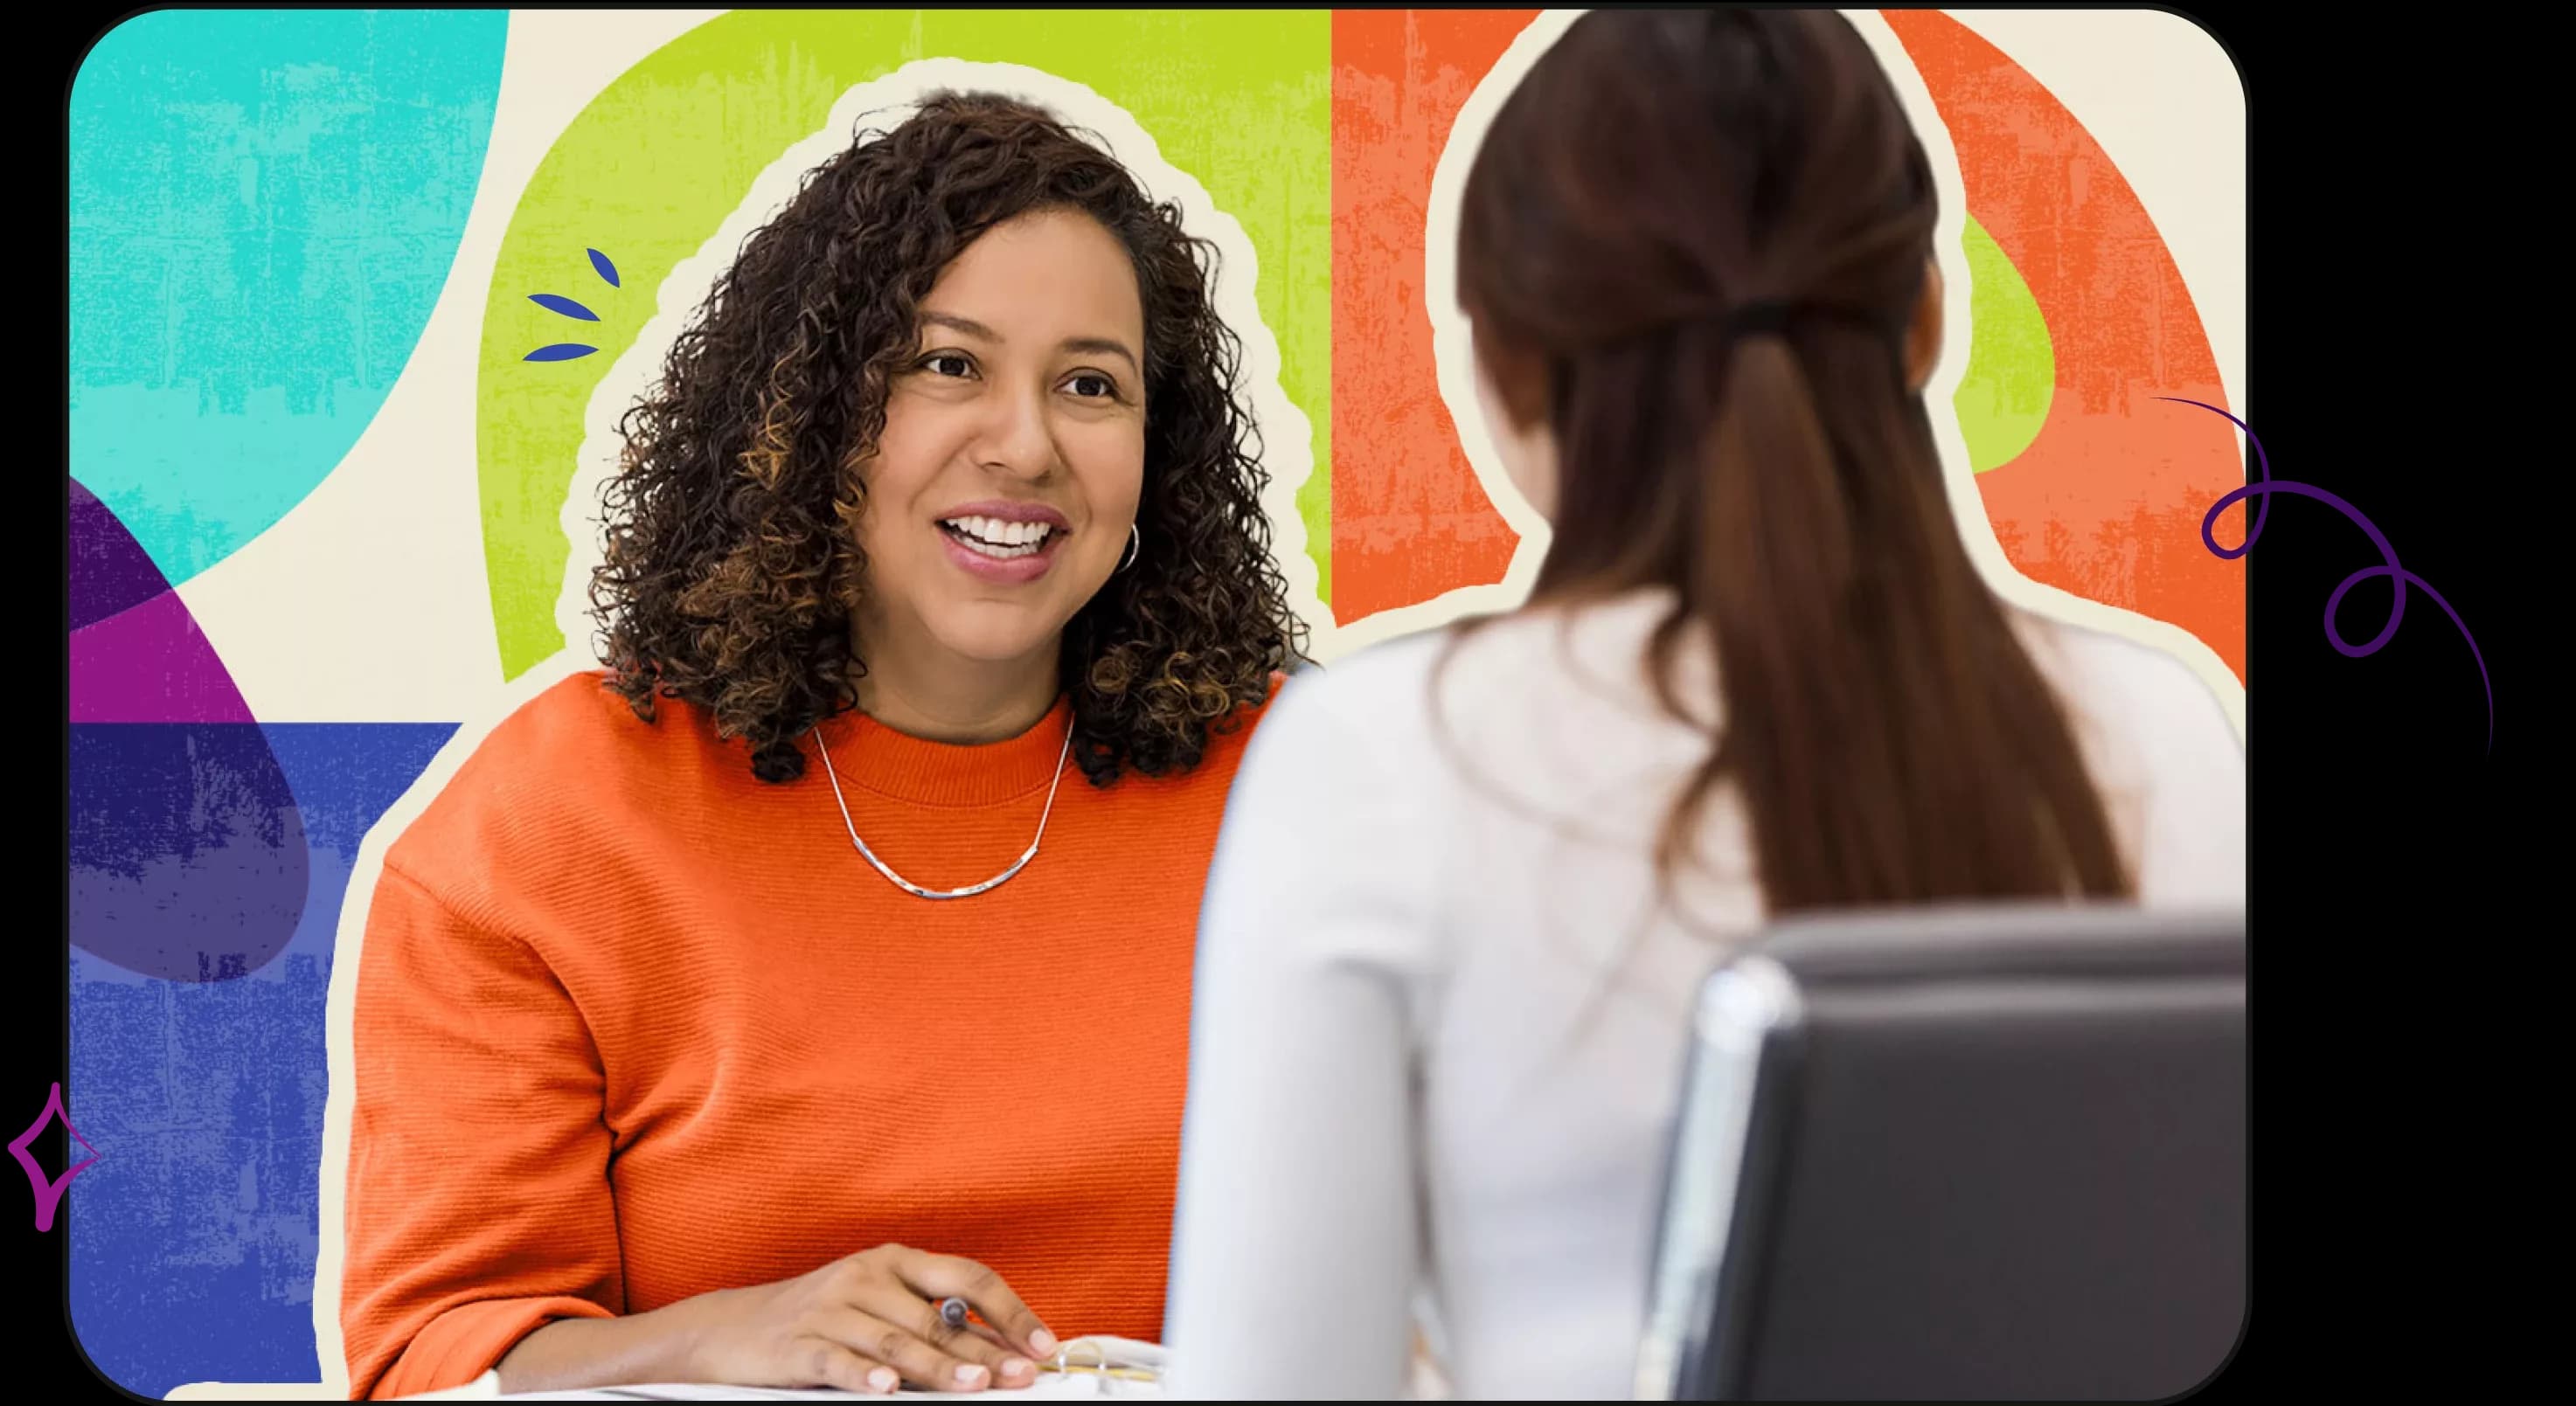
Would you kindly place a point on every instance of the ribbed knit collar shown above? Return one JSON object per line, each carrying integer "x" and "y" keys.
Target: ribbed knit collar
{"x": 865, "y": 752}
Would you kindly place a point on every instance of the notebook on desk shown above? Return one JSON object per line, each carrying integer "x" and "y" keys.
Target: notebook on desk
{"x": 1092, "y": 1368}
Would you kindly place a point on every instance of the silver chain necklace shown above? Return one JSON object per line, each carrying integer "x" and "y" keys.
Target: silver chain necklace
{"x": 970, "y": 890}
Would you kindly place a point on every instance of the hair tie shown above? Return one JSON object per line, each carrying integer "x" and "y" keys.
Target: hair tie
{"x": 1760, "y": 318}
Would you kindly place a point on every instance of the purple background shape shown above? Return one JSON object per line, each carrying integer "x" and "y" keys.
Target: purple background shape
{"x": 188, "y": 854}
{"x": 151, "y": 664}
{"x": 137, "y": 655}
{"x": 188, "y": 858}
{"x": 109, "y": 571}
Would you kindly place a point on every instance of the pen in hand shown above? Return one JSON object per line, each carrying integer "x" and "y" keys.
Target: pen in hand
{"x": 953, "y": 1311}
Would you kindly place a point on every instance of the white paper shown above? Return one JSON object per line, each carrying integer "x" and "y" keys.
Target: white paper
{"x": 1068, "y": 1386}
{"x": 1050, "y": 1386}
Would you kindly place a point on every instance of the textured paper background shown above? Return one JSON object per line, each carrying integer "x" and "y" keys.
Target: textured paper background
{"x": 325, "y": 514}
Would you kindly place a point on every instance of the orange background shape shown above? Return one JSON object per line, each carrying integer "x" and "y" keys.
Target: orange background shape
{"x": 1409, "y": 519}
{"x": 2107, "y": 501}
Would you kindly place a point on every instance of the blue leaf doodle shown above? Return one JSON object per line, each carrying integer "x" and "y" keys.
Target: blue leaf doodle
{"x": 555, "y": 302}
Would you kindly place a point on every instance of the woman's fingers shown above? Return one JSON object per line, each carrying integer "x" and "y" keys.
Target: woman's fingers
{"x": 978, "y": 1344}
{"x": 935, "y": 1277}
{"x": 947, "y": 1359}
{"x": 1014, "y": 1369}
{"x": 823, "y": 1362}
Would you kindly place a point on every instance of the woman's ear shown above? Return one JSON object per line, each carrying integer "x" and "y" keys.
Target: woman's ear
{"x": 1511, "y": 395}
{"x": 1517, "y": 380}
{"x": 1923, "y": 333}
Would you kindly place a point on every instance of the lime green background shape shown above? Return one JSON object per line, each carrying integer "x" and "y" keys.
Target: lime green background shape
{"x": 1240, "y": 100}
{"x": 2003, "y": 396}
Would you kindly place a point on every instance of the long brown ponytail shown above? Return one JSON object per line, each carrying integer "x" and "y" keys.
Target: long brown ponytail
{"x": 1703, "y": 235}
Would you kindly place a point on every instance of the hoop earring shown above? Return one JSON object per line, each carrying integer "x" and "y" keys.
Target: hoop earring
{"x": 1135, "y": 545}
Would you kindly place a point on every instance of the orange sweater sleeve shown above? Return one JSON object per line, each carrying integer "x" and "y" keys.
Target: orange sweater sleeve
{"x": 478, "y": 1204}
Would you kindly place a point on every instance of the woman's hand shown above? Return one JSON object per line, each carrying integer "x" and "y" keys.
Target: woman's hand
{"x": 858, "y": 1323}
{"x": 867, "y": 1323}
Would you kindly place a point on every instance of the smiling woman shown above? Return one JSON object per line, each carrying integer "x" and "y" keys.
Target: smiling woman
{"x": 1012, "y": 458}
{"x": 665, "y": 1049}
{"x": 976, "y": 315}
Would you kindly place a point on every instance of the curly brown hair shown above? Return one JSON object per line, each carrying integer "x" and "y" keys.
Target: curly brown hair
{"x": 732, "y": 566}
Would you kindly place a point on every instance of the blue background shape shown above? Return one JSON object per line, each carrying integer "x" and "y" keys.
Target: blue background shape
{"x": 194, "y": 1236}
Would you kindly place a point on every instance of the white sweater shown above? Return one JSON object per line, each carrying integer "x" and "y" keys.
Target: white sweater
{"x": 1437, "y": 1031}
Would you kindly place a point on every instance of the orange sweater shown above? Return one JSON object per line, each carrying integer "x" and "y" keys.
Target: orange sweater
{"x": 632, "y": 1025}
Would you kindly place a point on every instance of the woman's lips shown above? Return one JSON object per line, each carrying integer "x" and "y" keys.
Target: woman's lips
{"x": 1003, "y": 563}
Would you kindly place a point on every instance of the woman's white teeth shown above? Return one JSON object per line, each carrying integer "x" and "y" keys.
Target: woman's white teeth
{"x": 993, "y": 537}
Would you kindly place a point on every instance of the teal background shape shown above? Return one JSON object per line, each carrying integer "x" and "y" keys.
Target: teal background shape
{"x": 264, "y": 207}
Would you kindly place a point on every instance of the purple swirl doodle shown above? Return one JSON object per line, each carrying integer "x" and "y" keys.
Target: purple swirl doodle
{"x": 2262, "y": 489}
{"x": 49, "y": 1194}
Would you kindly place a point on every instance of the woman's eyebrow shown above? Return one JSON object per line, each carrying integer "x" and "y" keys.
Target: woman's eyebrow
{"x": 1100, "y": 346}
{"x": 1104, "y": 346}
{"x": 967, "y": 325}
